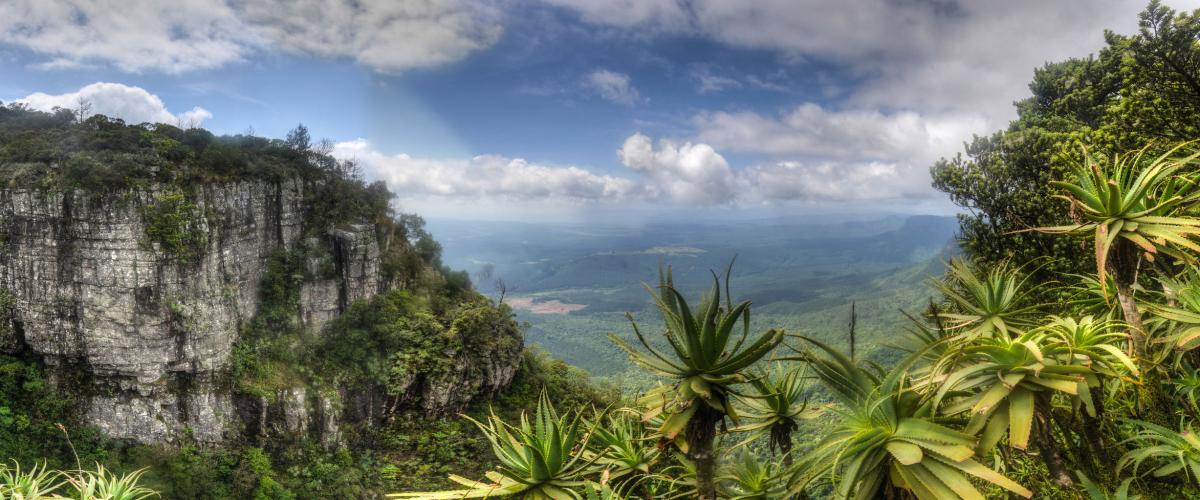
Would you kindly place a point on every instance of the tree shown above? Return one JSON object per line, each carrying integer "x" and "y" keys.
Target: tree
{"x": 298, "y": 139}
{"x": 1164, "y": 75}
{"x": 83, "y": 109}
{"x": 1133, "y": 205}
{"x": 1138, "y": 89}
{"x": 703, "y": 363}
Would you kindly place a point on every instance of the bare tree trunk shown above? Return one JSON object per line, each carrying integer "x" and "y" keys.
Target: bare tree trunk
{"x": 701, "y": 435}
{"x": 1046, "y": 445}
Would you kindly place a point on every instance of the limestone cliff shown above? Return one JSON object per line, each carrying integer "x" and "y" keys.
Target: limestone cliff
{"x": 149, "y": 329}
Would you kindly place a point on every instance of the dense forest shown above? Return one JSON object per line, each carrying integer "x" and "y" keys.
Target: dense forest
{"x": 1057, "y": 361}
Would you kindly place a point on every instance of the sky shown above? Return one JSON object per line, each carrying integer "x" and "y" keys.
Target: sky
{"x": 575, "y": 109}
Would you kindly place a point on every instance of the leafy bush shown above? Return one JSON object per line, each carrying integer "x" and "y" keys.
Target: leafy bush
{"x": 174, "y": 223}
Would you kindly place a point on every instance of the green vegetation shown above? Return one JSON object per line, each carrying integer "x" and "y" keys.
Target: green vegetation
{"x": 539, "y": 460}
{"x": 1140, "y": 89}
{"x": 887, "y": 440}
{"x": 702, "y": 366}
{"x": 1070, "y": 348}
{"x": 1038, "y": 344}
{"x": 389, "y": 345}
{"x": 172, "y": 223}
{"x": 53, "y": 151}
{"x": 409, "y": 453}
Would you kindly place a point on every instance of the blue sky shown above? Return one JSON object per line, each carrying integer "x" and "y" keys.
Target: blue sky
{"x": 572, "y": 108}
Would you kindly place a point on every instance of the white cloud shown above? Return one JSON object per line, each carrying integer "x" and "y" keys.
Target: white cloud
{"x": 115, "y": 100}
{"x": 710, "y": 81}
{"x": 832, "y": 155}
{"x": 969, "y": 56}
{"x": 132, "y": 35}
{"x": 174, "y": 37}
{"x": 388, "y": 35}
{"x": 668, "y": 14}
{"x": 613, "y": 86}
{"x": 689, "y": 173}
{"x": 834, "y": 181}
{"x": 810, "y": 130}
{"x": 487, "y": 176}
{"x": 664, "y": 173}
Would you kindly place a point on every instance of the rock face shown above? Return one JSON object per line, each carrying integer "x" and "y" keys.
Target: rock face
{"x": 152, "y": 334}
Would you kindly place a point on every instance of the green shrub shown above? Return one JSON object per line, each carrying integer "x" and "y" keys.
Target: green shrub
{"x": 175, "y": 224}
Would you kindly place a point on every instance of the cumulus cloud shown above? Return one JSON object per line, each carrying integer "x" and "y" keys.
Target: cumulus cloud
{"x": 690, "y": 173}
{"x": 174, "y": 37}
{"x": 613, "y": 86}
{"x": 132, "y": 104}
{"x": 811, "y": 130}
{"x": 486, "y": 176}
{"x": 660, "y": 172}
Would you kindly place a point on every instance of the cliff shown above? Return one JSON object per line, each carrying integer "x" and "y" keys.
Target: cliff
{"x": 137, "y": 298}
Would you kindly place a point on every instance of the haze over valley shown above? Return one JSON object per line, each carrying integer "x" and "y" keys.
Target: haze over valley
{"x": 573, "y": 283}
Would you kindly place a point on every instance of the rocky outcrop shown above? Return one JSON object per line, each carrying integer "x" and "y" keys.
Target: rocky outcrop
{"x": 89, "y": 291}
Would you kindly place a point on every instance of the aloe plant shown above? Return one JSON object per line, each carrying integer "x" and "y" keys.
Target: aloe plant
{"x": 1180, "y": 313}
{"x": 36, "y": 482}
{"x": 993, "y": 302}
{"x": 1091, "y": 342}
{"x": 1168, "y": 452}
{"x": 1095, "y": 344}
{"x": 749, "y": 478}
{"x": 1088, "y": 296}
{"x": 1005, "y": 384}
{"x": 103, "y": 484}
{"x": 1097, "y": 492}
{"x": 775, "y": 408}
{"x": 703, "y": 362}
{"x": 887, "y": 438}
{"x": 539, "y": 459}
{"x": 1187, "y": 386}
{"x": 1133, "y": 205}
{"x": 622, "y": 450}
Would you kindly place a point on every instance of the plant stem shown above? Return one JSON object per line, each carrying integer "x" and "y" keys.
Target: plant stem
{"x": 1092, "y": 427}
{"x": 1124, "y": 267}
{"x": 701, "y": 433}
{"x": 1046, "y": 445}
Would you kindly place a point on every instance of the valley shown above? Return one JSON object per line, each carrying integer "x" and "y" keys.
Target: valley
{"x": 573, "y": 284}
